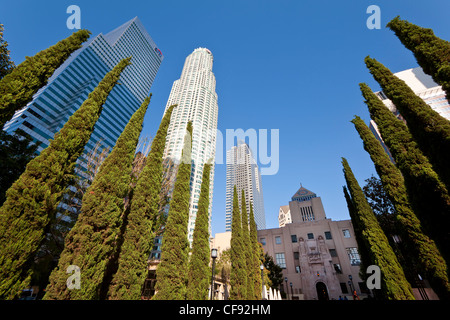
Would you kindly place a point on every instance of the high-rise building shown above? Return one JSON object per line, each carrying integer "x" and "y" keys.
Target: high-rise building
{"x": 243, "y": 172}
{"x": 424, "y": 87}
{"x": 196, "y": 97}
{"x": 72, "y": 82}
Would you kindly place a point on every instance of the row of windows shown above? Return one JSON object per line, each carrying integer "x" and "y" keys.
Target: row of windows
{"x": 294, "y": 239}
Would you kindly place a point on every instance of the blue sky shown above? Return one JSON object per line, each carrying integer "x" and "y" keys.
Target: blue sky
{"x": 288, "y": 65}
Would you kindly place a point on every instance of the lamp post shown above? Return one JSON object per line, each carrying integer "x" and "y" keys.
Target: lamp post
{"x": 213, "y": 256}
{"x": 287, "y": 290}
{"x": 263, "y": 296}
{"x": 292, "y": 292}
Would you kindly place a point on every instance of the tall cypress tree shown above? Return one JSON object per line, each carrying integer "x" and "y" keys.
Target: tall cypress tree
{"x": 255, "y": 267}
{"x": 431, "y": 52}
{"x": 393, "y": 282}
{"x": 172, "y": 272}
{"x": 140, "y": 229}
{"x": 90, "y": 244}
{"x": 248, "y": 252}
{"x": 238, "y": 277}
{"x": 32, "y": 200}
{"x": 6, "y": 64}
{"x": 429, "y": 129}
{"x": 199, "y": 271}
{"x": 18, "y": 87}
{"x": 421, "y": 248}
{"x": 428, "y": 195}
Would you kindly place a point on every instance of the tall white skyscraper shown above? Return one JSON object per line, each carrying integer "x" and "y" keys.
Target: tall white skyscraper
{"x": 196, "y": 97}
{"x": 243, "y": 172}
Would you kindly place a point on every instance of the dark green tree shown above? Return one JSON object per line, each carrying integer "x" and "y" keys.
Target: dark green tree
{"x": 199, "y": 271}
{"x": 32, "y": 200}
{"x": 248, "y": 252}
{"x": 428, "y": 196}
{"x": 92, "y": 241}
{"x": 6, "y": 64}
{"x": 275, "y": 272}
{"x": 140, "y": 228}
{"x": 394, "y": 285}
{"x": 238, "y": 277}
{"x": 431, "y": 52}
{"x": 18, "y": 87}
{"x": 172, "y": 272}
{"x": 429, "y": 129}
{"x": 255, "y": 274}
{"x": 422, "y": 249}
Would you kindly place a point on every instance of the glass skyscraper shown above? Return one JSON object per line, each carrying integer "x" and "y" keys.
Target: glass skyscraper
{"x": 243, "y": 172}
{"x": 71, "y": 83}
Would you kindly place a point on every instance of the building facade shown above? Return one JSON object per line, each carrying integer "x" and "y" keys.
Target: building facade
{"x": 196, "y": 97}
{"x": 424, "y": 87}
{"x": 319, "y": 257}
{"x": 243, "y": 172}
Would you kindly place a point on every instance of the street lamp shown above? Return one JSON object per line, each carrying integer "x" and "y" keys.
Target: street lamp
{"x": 292, "y": 292}
{"x": 213, "y": 256}
{"x": 262, "y": 280}
{"x": 287, "y": 290}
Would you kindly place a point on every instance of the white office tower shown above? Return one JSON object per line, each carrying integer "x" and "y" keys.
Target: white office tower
{"x": 243, "y": 172}
{"x": 195, "y": 95}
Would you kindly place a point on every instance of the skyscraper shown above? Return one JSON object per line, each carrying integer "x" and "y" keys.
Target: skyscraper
{"x": 195, "y": 95}
{"x": 70, "y": 85}
{"x": 243, "y": 171}
{"x": 423, "y": 86}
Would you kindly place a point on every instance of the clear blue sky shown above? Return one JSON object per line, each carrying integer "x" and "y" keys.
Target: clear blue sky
{"x": 288, "y": 65}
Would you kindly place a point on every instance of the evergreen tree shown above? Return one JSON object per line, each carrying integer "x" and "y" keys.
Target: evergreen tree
{"x": 431, "y": 52}
{"x": 238, "y": 278}
{"x": 140, "y": 229}
{"x": 32, "y": 200}
{"x": 91, "y": 242}
{"x": 6, "y": 65}
{"x": 393, "y": 282}
{"x": 172, "y": 272}
{"x": 198, "y": 275}
{"x": 427, "y": 194}
{"x": 429, "y": 129}
{"x": 255, "y": 274}
{"x": 248, "y": 252}
{"x": 18, "y": 87}
{"x": 423, "y": 250}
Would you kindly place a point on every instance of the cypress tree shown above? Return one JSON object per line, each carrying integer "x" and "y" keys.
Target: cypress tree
{"x": 422, "y": 248}
{"x": 32, "y": 200}
{"x": 393, "y": 282}
{"x": 140, "y": 230}
{"x": 18, "y": 87}
{"x": 431, "y": 52}
{"x": 199, "y": 271}
{"x": 248, "y": 253}
{"x": 255, "y": 267}
{"x": 238, "y": 277}
{"x": 90, "y": 244}
{"x": 172, "y": 272}
{"x": 6, "y": 65}
{"x": 429, "y": 129}
{"x": 427, "y": 194}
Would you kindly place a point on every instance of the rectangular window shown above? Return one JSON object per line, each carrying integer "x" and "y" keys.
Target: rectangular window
{"x": 297, "y": 269}
{"x": 280, "y": 259}
{"x": 333, "y": 252}
{"x": 310, "y": 236}
{"x": 344, "y": 287}
{"x": 328, "y": 235}
{"x": 278, "y": 240}
{"x": 262, "y": 241}
{"x": 353, "y": 255}
{"x": 346, "y": 233}
{"x": 337, "y": 268}
{"x": 296, "y": 255}
{"x": 293, "y": 238}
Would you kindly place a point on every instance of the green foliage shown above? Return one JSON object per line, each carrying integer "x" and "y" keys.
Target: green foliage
{"x": 139, "y": 233}
{"x": 172, "y": 272}
{"x": 429, "y": 129}
{"x": 422, "y": 249}
{"x": 255, "y": 271}
{"x": 18, "y": 87}
{"x": 6, "y": 65}
{"x": 92, "y": 242}
{"x": 238, "y": 278}
{"x": 199, "y": 272}
{"x": 248, "y": 252}
{"x": 427, "y": 194}
{"x": 393, "y": 281}
{"x": 431, "y": 52}
{"x": 275, "y": 272}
